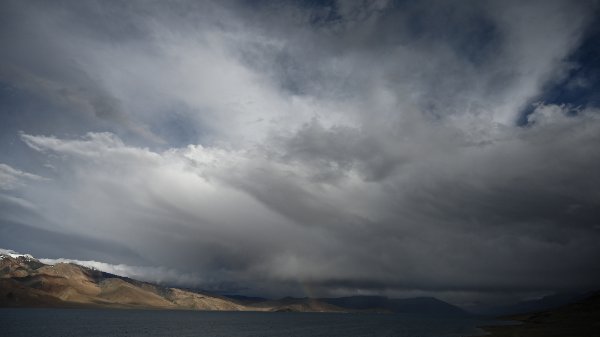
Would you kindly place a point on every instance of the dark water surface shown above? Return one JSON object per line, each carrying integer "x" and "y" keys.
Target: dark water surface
{"x": 133, "y": 323}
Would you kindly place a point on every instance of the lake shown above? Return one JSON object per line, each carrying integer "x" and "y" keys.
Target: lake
{"x": 133, "y": 323}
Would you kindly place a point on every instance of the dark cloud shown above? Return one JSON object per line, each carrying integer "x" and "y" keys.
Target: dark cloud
{"x": 334, "y": 148}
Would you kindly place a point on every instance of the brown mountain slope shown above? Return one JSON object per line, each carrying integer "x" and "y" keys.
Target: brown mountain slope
{"x": 26, "y": 282}
{"x": 581, "y": 319}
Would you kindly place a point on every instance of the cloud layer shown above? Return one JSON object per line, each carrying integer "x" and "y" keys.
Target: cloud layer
{"x": 328, "y": 149}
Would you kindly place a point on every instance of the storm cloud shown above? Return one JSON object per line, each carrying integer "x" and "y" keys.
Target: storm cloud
{"x": 305, "y": 148}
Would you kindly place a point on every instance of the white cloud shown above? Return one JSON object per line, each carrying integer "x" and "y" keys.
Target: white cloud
{"x": 12, "y": 253}
{"x": 267, "y": 213}
{"x": 11, "y": 178}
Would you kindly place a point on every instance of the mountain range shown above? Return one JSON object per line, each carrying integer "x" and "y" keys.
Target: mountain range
{"x": 541, "y": 304}
{"x": 27, "y": 282}
{"x": 417, "y": 305}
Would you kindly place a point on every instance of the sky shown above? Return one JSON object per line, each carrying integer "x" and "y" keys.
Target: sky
{"x": 307, "y": 148}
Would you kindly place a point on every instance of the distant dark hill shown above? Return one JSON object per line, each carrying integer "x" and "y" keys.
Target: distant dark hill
{"x": 418, "y": 305}
{"x": 544, "y": 303}
{"x": 298, "y": 304}
{"x": 579, "y": 319}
